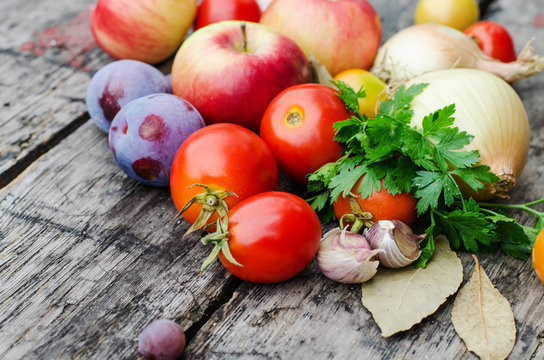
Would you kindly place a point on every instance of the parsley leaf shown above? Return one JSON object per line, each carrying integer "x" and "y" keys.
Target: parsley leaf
{"x": 399, "y": 105}
{"x": 466, "y": 229}
{"x": 430, "y": 186}
{"x": 476, "y": 176}
{"x": 349, "y": 96}
{"x": 345, "y": 180}
{"x": 429, "y": 161}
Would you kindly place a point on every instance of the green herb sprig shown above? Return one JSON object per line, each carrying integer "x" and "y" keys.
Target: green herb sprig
{"x": 427, "y": 161}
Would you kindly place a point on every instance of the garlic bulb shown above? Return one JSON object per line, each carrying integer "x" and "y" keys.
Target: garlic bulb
{"x": 423, "y": 48}
{"x": 486, "y": 107}
{"x": 399, "y": 243}
{"x": 346, "y": 257}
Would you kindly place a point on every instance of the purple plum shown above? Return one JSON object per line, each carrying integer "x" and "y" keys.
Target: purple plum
{"x": 162, "y": 339}
{"x": 118, "y": 83}
{"x": 147, "y": 132}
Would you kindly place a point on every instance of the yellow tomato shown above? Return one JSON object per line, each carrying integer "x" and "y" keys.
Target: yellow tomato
{"x": 374, "y": 88}
{"x": 458, "y": 14}
{"x": 538, "y": 255}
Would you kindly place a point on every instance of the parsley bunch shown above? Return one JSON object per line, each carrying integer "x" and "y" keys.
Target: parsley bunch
{"x": 427, "y": 162}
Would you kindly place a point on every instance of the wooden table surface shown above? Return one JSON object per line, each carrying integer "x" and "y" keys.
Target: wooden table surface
{"x": 88, "y": 256}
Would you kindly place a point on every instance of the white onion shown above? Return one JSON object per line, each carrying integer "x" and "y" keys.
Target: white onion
{"x": 489, "y": 109}
{"x": 423, "y": 48}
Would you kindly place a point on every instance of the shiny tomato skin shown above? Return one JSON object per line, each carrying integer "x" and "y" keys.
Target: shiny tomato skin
{"x": 212, "y": 11}
{"x": 382, "y": 205}
{"x": 493, "y": 39}
{"x": 226, "y": 157}
{"x": 538, "y": 256}
{"x": 298, "y": 127}
{"x": 274, "y": 235}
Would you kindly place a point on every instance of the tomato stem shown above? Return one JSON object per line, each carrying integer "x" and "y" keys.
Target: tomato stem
{"x": 359, "y": 218}
{"x": 212, "y": 201}
{"x": 220, "y": 239}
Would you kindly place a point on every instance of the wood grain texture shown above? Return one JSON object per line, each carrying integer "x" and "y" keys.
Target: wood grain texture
{"x": 42, "y": 95}
{"x": 46, "y": 64}
{"x": 88, "y": 257}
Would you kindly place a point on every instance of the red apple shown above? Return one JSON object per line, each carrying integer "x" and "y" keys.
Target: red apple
{"x": 212, "y": 11}
{"x": 231, "y": 70}
{"x": 341, "y": 34}
{"x": 145, "y": 30}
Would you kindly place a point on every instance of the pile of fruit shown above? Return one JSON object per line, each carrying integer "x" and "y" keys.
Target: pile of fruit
{"x": 383, "y": 137}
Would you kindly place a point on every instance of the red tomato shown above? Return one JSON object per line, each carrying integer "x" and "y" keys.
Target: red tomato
{"x": 298, "y": 127}
{"x": 493, "y": 39}
{"x": 382, "y": 205}
{"x": 274, "y": 235}
{"x": 212, "y": 11}
{"x": 225, "y": 157}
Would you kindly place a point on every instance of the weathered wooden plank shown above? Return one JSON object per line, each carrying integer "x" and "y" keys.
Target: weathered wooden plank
{"x": 312, "y": 317}
{"x": 44, "y": 83}
{"x": 88, "y": 257}
{"x": 47, "y": 57}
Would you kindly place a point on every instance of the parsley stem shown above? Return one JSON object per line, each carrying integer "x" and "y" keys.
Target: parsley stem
{"x": 525, "y": 207}
{"x": 463, "y": 202}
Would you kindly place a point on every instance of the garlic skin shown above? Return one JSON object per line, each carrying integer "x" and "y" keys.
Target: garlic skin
{"x": 423, "y": 48}
{"x": 488, "y": 108}
{"x": 397, "y": 240}
{"x": 346, "y": 257}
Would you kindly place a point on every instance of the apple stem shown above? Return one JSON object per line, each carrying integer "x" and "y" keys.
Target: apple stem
{"x": 244, "y": 44}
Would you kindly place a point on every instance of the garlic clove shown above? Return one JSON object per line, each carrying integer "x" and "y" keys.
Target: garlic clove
{"x": 399, "y": 243}
{"x": 346, "y": 257}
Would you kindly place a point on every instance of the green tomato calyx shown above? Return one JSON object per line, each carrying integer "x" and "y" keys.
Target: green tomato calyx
{"x": 212, "y": 201}
{"x": 220, "y": 239}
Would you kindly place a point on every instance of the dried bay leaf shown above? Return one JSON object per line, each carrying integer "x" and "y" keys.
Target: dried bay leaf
{"x": 483, "y": 318}
{"x": 400, "y": 298}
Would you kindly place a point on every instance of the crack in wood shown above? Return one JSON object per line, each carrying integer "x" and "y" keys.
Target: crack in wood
{"x": 538, "y": 347}
{"x": 30, "y": 219}
{"x": 269, "y": 315}
{"x": 36, "y": 219}
{"x": 22, "y": 164}
{"x": 226, "y": 294}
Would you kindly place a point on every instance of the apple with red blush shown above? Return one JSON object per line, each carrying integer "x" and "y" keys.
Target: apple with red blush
{"x": 341, "y": 34}
{"x": 231, "y": 70}
{"x": 145, "y": 30}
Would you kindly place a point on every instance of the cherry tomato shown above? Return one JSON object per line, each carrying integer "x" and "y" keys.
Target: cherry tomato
{"x": 212, "y": 11}
{"x": 374, "y": 89}
{"x": 538, "y": 255}
{"x": 298, "y": 127}
{"x": 458, "y": 14}
{"x": 493, "y": 39}
{"x": 274, "y": 235}
{"x": 225, "y": 157}
{"x": 381, "y": 204}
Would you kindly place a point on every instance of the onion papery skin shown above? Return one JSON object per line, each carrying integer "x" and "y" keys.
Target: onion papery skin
{"x": 424, "y": 48}
{"x": 488, "y": 108}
